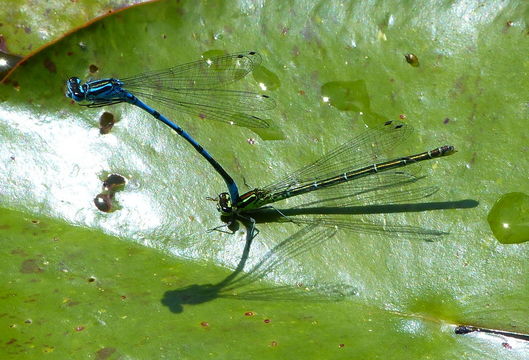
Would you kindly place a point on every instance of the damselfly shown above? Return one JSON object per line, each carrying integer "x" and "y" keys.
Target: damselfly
{"x": 344, "y": 173}
{"x": 192, "y": 88}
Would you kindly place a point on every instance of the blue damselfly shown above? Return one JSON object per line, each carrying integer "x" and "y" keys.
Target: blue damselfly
{"x": 192, "y": 88}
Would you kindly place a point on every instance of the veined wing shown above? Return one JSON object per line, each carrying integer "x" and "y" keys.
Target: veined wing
{"x": 361, "y": 151}
{"x": 228, "y": 106}
{"x": 394, "y": 187}
{"x": 204, "y": 73}
{"x": 344, "y": 222}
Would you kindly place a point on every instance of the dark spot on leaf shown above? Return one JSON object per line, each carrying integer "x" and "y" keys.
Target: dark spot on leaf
{"x": 30, "y": 267}
{"x": 11, "y": 341}
{"x": 91, "y": 279}
{"x": 93, "y": 68}
{"x": 412, "y": 59}
{"x": 50, "y": 65}
{"x": 273, "y": 343}
{"x": 113, "y": 181}
{"x": 103, "y": 202}
{"x": 266, "y": 321}
{"x": 28, "y": 321}
{"x": 79, "y": 328}
{"x": 106, "y": 122}
{"x": 295, "y": 51}
{"x": 204, "y": 324}
{"x": 446, "y": 121}
{"x": 3, "y": 46}
{"x": 105, "y": 353}
{"x": 249, "y": 313}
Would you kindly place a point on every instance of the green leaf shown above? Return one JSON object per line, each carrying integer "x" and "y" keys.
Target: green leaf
{"x": 28, "y": 25}
{"x": 147, "y": 280}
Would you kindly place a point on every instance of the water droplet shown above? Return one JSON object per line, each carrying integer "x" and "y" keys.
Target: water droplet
{"x": 509, "y": 218}
{"x": 267, "y": 79}
{"x": 212, "y": 53}
{"x": 412, "y": 59}
{"x": 346, "y": 95}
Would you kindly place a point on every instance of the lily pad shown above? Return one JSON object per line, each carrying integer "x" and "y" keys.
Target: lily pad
{"x": 29, "y": 25}
{"x": 143, "y": 281}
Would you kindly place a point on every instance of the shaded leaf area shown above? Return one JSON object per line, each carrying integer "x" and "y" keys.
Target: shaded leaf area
{"x": 76, "y": 293}
{"x": 27, "y": 25}
{"x": 469, "y": 91}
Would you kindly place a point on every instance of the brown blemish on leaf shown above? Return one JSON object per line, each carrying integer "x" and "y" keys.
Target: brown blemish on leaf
{"x": 20, "y": 252}
{"x": 50, "y": 65}
{"x": 30, "y": 266}
{"x": 3, "y": 46}
{"x": 105, "y": 353}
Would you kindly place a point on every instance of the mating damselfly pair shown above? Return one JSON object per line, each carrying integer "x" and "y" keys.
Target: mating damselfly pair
{"x": 195, "y": 88}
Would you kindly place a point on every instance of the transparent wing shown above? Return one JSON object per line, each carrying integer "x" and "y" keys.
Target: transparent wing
{"x": 228, "y": 106}
{"x": 204, "y": 73}
{"x": 362, "y": 150}
{"x": 343, "y": 222}
{"x": 193, "y": 89}
{"x": 382, "y": 188}
{"x": 300, "y": 242}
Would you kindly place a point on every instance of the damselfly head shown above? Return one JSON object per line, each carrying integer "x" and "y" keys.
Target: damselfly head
{"x": 74, "y": 89}
{"x": 224, "y": 205}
